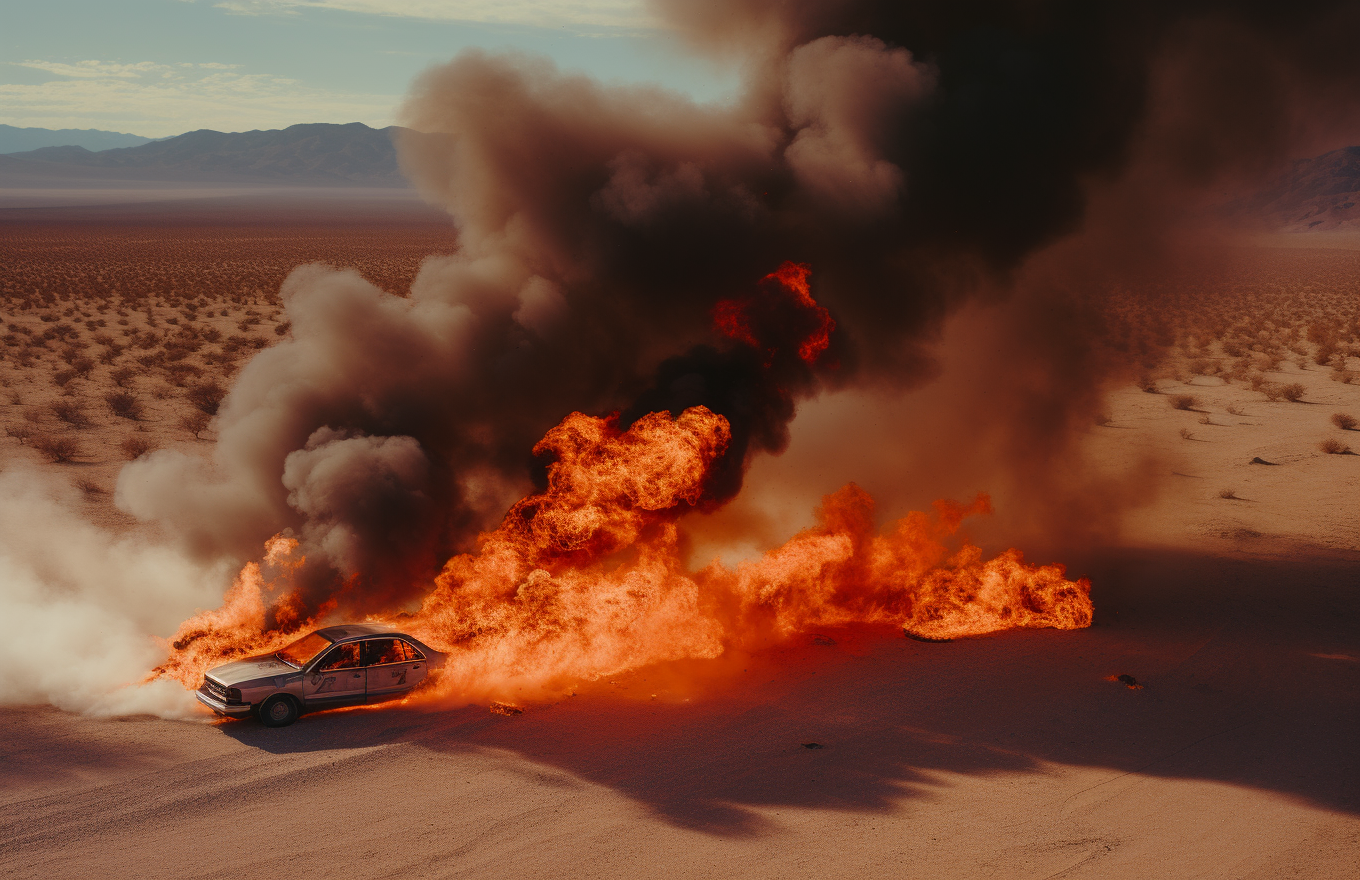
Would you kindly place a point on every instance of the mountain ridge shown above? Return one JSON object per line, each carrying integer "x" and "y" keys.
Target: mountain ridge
{"x": 14, "y": 140}
{"x": 321, "y": 153}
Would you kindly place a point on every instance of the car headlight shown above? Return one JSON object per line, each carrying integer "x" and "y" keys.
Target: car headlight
{"x": 233, "y": 695}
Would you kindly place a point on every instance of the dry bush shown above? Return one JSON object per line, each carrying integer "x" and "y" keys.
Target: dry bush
{"x": 1235, "y": 410}
{"x": 19, "y": 432}
{"x": 1184, "y": 401}
{"x": 63, "y": 377}
{"x": 1227, "y": 493}
{"x": 1186, "y": 434}
{"x": 89, "y": 487}
{"x": 59, "y": 450}
{"x": 1272, "y": 390}
{"x": 207, "y": 396}
{"x": 123, "y": 376}
{"x": 125, "y": 404}
{"x": 195, "y": 423}
{"x": 1292, "y": 392}
{"x": 1333, "y": 446}
{"x": 1344, "y": 421}
{"x": 1148, "y": 384}
{"x": 135, "y": 446}
{"x": 72, "y": 413}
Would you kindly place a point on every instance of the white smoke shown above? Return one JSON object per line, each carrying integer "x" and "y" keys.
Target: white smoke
{"x": 82, "y": 607}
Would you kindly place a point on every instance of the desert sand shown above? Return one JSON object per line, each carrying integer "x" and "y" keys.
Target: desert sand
{"x": 1229, "y": 751}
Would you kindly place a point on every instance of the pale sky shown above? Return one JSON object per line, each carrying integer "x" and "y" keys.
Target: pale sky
{"x": 162, "y": 67}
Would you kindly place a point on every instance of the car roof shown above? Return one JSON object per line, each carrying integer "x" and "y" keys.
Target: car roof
{"x": 348, "y": 631}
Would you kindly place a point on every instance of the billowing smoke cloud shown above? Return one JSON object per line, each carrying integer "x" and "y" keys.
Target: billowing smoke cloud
{"x": 914, "y": 155}
{"x": 80, "y": 606}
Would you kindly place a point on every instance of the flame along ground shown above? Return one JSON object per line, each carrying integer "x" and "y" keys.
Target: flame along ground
{"x": 589, "y": 577}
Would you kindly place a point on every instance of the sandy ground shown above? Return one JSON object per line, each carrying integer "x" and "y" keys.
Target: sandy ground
{"x": 1011, "y": 756}
{"x": 856, "y": 754}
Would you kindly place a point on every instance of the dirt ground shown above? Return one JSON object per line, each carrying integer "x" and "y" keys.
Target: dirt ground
{"x": 1231, "y": 606}
{"x": 124, "y": 323}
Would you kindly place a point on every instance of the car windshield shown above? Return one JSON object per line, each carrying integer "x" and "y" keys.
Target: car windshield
{"x": 301, "y": 652}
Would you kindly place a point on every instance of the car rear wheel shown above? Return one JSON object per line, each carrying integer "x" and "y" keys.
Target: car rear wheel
{"x": 278, "y": 711}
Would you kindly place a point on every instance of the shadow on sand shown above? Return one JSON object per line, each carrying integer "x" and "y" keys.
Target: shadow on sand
{"x": 1251, "y": 674}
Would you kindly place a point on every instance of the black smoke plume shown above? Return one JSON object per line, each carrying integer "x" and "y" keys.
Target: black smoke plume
{"x": 913, "y": 154}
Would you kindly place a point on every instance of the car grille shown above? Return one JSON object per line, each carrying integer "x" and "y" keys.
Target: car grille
{"x": 213, "y": 689}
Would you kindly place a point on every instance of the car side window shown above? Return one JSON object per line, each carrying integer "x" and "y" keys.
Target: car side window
{"x": 380, "y": 651}
{"x": 411, "y": 652}
{"x": 341, "y": 657}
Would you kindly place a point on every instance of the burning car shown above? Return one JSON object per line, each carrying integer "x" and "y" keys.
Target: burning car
{"x": 335, "y": 666}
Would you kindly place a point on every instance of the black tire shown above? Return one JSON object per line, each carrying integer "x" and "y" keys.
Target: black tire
{"x": 278, "y": 711}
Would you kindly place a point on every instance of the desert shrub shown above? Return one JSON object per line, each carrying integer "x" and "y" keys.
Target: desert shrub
{"x": 1344, "y": 421}
{"x": 283, "y": 328}
{"x": 19, "y": 432}
{"x": 125, "y": 404}
{"x": 207, "y": 396}
{"x": 135, "y": 446}
{"x": 1234, "y": 410}
{"x": 1272, "y": 390}
{"x": 55, "y": 449}
{"x": 1184, "y": 401}
{"x": 1292, "y": 392}
{"x": 72, "y": 413}
{"x": 179, "y": 373}
{"x": 1333, "y": 446}
{"x": 1186, "y": 435}
{"x": 1227, "y": 493}
{"x": 123, "y": 376}
{"x": 82, "y": 366}
{"x": 195, "y": 423}
{"x": 89, "y": 487}
{"x": 62, "y": 377}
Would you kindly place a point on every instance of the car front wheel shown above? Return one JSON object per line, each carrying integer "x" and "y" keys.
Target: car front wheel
{"x": 278, "y": 711}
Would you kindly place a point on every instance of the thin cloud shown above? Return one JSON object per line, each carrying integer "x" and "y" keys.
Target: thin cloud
{"x": 158, "y": 99}
{"x": 626, "y": 14}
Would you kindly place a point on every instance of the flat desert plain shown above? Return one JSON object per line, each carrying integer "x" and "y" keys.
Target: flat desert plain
{"x": 1230, "y": 606}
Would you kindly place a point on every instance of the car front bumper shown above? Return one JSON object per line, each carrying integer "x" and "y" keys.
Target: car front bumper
{"x": 223, "y": 708}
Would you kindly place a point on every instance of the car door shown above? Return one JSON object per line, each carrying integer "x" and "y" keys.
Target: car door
{"x": 337, "y": 679}
{"x": 393, "y": 667}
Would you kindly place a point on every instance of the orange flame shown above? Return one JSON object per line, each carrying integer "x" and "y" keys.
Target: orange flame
{"x": 787, "y": 290}
{"x": 588, "y": 579}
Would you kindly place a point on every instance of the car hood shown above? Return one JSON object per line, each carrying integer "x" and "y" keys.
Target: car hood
{"x": 239, "y": 671}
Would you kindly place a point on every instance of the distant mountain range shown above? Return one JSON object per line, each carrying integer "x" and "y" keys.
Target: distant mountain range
{"x": 1314, "y": 195}
{"x": 12, "y": 139}
{"x": 319, "y": 153}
